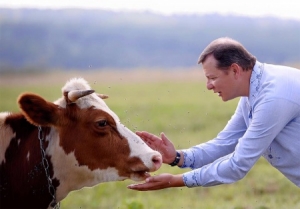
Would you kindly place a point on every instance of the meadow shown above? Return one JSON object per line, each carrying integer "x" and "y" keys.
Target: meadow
{"x": 178, "y": 104}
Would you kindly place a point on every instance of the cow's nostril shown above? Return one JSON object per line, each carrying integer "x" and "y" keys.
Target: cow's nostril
{"x": 157, "y": 161}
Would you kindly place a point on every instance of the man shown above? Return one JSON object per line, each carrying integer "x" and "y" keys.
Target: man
{"x": 266, "y": 122}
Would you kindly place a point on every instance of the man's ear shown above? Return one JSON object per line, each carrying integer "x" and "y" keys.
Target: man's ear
{"x": 236, "y": 69}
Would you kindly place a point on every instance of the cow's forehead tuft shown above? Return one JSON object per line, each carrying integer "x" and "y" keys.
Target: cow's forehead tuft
{"x": 76, "y": 84}
{"x": 86, "y": 101}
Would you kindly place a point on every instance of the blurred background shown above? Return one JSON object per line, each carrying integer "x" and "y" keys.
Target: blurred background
{"x": 143, "y": 54}
{"x": 95, "y": 35}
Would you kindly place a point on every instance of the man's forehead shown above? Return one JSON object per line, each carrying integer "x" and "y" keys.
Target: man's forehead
{"x": 210, "y": 60}
{"x": 210, "y": 66}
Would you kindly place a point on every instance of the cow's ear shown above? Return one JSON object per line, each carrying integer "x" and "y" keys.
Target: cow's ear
{"x": 37, "y": 110}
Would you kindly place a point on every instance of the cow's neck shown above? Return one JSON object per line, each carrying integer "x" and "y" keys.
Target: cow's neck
{"x": 22, "y": 173}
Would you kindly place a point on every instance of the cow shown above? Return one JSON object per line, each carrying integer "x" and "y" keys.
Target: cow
{"x": 52, "y": 148}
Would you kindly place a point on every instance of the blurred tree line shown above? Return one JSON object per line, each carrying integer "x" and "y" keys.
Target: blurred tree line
{"x": 93, "y": 39}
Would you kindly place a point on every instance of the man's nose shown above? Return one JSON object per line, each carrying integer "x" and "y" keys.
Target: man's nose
{"x": 209, "y": 85}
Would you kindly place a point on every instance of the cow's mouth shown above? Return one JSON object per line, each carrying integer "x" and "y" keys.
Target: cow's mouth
{"x": 140, "y": 171}
{"x": 140, "y": 175}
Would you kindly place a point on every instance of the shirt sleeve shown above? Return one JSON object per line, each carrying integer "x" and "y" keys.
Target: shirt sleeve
{"x": 225, "y": 143}
{"x": 269, "y": 117}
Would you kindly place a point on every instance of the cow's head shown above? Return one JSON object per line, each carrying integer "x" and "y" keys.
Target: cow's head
{"x": 87, "y": 142}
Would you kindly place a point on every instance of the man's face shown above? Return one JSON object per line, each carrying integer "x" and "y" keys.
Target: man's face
{"x": 224, "y": 83}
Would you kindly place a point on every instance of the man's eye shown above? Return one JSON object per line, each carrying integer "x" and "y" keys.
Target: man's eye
{"x": 102, "y": 123}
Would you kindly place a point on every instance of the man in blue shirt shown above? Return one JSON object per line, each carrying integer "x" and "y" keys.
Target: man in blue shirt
{"x": 266, "y": 122}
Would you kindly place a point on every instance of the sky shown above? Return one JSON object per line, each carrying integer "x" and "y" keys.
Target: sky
{"x": 287, "y": 9}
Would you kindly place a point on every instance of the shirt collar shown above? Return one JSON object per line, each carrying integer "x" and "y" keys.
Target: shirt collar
{"x": 255, "y": 80}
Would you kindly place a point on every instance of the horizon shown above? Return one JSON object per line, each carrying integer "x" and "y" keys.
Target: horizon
{"x": 258, "y": 8}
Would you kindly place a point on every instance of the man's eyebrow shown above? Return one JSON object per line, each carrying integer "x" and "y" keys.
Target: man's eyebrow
{"x": 209, "y": 76}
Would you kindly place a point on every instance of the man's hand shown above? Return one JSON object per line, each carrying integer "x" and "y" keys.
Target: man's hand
{"x": 161, "y": 181}
{"x": 162, "y": 145}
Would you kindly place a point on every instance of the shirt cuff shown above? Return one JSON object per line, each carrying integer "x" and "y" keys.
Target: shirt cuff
{"x": 191, "y": 179}
{"x": 189, "y": 159}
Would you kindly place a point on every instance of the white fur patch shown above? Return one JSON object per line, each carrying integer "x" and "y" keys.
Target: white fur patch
{"x": 6, "y": 134}
{"x": 137, "y": 146}
{"x": 28, "y": 156}
{"x": 84, "y": 102}
{"x": 71, "y": 176}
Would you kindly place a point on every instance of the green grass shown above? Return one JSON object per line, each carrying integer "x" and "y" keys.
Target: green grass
{"x": 188, "y": 114}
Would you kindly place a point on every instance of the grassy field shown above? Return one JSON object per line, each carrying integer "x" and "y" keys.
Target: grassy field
{"x": 178, "y": 104}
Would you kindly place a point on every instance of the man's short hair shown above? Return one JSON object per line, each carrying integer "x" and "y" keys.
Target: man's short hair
{"x": 228, "y": 51}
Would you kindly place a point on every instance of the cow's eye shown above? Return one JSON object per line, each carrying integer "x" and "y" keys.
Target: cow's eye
{"x": 102, "y": 123}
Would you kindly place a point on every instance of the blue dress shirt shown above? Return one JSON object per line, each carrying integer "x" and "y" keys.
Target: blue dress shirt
{"x": 267, "y": 123}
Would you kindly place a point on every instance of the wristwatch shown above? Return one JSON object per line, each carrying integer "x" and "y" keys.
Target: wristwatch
{"x": 177, "y": 159}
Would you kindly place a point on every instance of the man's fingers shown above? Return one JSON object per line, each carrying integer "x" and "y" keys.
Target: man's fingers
{"x": 147, "y": 136}
{"x": 139, "y": 133}
{"x": 149, "y": 184}
{"x": 143, "y": 134}
{"x": 165, "y": 140}
{"x": 140, "y": 187}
